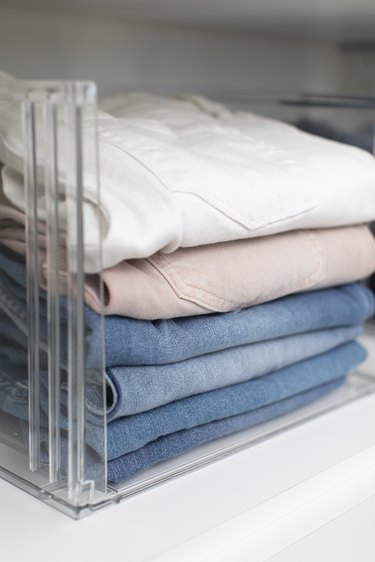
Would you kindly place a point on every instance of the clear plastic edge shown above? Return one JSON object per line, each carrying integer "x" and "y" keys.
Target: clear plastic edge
{"x": 54, "y": 152}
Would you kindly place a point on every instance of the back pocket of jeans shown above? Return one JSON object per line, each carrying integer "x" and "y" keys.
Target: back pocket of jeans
{"x": 233, "y": 275}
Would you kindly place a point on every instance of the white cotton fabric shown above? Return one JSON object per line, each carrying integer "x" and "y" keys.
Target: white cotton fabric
{"x": 181, "y": 172}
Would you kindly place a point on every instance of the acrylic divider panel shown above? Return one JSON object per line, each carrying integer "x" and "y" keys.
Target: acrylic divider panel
{"x": 49, "y": 373}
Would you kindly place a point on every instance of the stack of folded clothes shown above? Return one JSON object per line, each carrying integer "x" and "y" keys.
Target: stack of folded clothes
{"x": 233, "y": 246}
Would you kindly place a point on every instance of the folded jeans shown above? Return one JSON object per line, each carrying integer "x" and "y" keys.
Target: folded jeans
{"x": 174, "y": 444}
{"x": 141, "y": 342}
{"x": 132, "y": 390}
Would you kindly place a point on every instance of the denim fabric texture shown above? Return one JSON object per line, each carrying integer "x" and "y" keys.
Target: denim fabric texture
{"x": 137, "y": 342}
{"x": 131, "y": 390}
{"x": 174, "y": 444}
{"x": 127, "y": 434}
{"x": 133, "y": 432}
{"x": 143, "y": 342}
{"x": 142, "y": 388}
{"x": 202, "y": 361}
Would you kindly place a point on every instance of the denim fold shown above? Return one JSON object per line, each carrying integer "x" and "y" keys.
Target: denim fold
{"x": 180, "y": 442}
{"x": 132, "y": 390}
{"x": 141, "y": 388}
{"x": 142, "y": 342}
{"x": 130, "y": 433}
{"x": 174, "y": 444}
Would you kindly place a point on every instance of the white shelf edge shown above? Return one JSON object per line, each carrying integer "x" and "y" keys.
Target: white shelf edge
{"x": 295, "y": 513}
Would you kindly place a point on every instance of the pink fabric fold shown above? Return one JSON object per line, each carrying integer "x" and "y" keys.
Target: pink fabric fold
{"x": 217, "y": 277}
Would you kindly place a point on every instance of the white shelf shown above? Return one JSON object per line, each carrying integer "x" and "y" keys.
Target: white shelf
{"x": 346, "y": 538}
{"x": 282, "y": 488}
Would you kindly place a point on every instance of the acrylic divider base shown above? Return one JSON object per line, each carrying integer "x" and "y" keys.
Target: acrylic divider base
{"x": 15, "y": 469}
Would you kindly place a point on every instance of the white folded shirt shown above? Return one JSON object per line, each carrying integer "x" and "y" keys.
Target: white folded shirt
{"x": 185, "y": 171}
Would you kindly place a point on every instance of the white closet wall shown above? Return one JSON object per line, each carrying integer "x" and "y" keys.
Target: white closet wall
{"x": 358, "y": 68}
{"x": 37, "y": 44}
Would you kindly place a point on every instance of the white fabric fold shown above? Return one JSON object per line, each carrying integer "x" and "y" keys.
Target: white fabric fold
{"x": 182, "y": 172}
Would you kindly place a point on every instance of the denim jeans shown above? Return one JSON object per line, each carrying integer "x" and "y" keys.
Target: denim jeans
{"x": 127, "y": 434}
{"x": 132, "y": 390}
{"x": 130, "y": 433}
{"x": 140, "y": 388}
{"x": 142, "y": 342}
{"x": 174, "y": 444}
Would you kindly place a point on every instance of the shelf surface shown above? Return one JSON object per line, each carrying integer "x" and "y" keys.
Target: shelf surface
{"x": 337, "y": 20}
{"x": 227, "y": 509}
{"x": 346, "y": 538}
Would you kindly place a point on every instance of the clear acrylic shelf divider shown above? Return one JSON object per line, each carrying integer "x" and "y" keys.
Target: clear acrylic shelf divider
{"x": 46, "y": 374}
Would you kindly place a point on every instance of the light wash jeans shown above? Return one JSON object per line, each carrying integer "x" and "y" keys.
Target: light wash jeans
{"x": 130, "y": 433}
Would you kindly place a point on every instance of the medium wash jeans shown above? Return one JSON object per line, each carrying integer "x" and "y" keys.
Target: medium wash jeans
{"x": 130, "y": 433}
{"x": 132, "y": 390}
{"x": 142, "y": 342}
{"x": 174, "y": 444}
